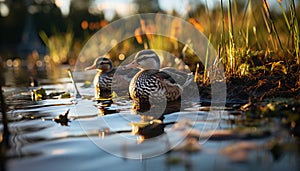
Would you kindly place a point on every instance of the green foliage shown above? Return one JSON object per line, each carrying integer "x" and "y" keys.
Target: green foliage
{"x": 59, "y": 45}
{"x": 39, "y": 94}
{"x": 245, "y": 30}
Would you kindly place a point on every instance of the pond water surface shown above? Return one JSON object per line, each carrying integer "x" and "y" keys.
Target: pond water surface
{"x": 93, "y": 141}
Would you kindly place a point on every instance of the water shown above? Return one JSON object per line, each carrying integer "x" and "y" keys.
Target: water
{"x": 95, "y": 142}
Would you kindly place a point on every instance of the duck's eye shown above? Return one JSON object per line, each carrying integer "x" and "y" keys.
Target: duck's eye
{"x": 104, "y": 62}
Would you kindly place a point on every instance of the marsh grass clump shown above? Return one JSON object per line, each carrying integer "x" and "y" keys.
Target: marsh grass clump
{"x": 258, "y": 45}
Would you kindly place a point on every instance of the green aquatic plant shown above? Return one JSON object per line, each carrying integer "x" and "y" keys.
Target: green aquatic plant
{"x": 59, "y": 45}
{"x": 39, "y": 94}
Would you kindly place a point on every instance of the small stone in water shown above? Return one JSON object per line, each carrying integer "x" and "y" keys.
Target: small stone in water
{"x": 173, "y": 160}
{"x": 238, "y": 152}
{"x": 189, "y": 145}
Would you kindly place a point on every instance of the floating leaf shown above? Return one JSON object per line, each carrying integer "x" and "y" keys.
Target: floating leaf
{"x": 63, "y": 118}
{"x": 65, "y": 95}
{"x": 87, "y": 84}
{"x": 55, "y": 94}
{"x": 39, "y": 94}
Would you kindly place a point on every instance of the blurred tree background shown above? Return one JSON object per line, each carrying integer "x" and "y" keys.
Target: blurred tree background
{"x": 31, "y": 28}
{"x": 21, "y": 29}
{"x": 37, "y": 32}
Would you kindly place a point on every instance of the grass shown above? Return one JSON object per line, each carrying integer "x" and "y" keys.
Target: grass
{"x": 59, "y": 45}
{"x": 236, "y": 29}
{"x": 255, "y": 45}
{"x": 250, "y": 37}
{"x": 239, "y": 45}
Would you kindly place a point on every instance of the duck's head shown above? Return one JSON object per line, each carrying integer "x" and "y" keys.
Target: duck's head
{"x": 145, "y": 59}
{"x": 101, "y": 63}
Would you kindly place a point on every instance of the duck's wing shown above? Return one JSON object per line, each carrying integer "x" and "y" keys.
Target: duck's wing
{"x": 165, "y": 76}
{"x": 174, "y": 71}
{"x": 180, "y": 77}
{"x": 103, "y": 80}
{"x": 172, "y": 88}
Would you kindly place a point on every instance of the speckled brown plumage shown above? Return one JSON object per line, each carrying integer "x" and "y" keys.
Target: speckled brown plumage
{"x": 153, "y": 87}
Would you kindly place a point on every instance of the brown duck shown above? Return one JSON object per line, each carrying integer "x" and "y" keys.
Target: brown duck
{"x": 155, "y": 88}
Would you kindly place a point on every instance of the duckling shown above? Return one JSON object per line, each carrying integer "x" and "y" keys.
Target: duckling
{"x": 103, "y": 79}
{"x": 152, "y": 86}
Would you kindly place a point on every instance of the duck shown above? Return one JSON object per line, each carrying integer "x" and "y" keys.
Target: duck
{"x": 103, "y": 79}
{"x": 109, "y": 78}
{"x": 153, "y": 87}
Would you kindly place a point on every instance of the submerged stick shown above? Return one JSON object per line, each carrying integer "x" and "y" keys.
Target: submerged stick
{"x": 76, "y": 89}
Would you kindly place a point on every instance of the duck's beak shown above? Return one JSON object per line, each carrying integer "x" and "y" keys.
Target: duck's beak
{"x": 133, "y": 64}
{"x": 90, "y": 67}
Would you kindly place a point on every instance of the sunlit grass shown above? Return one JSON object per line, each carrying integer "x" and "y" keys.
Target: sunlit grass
{"x": 246, "y": 30}
{"x": 249, "y": 37}
{"x": 59, "y": 45}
